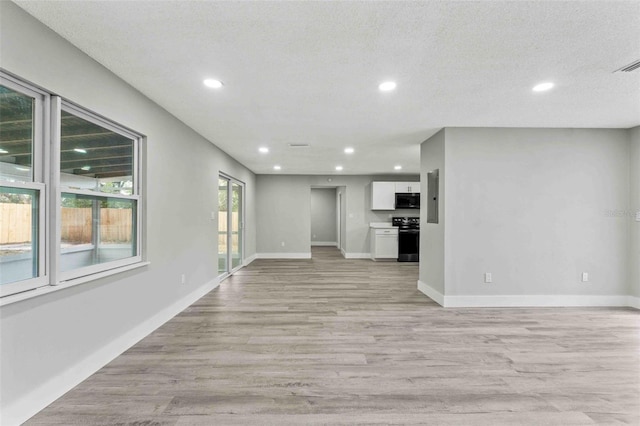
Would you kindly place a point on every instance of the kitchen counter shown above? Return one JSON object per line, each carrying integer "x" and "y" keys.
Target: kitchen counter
{"x": 381, "y": 225}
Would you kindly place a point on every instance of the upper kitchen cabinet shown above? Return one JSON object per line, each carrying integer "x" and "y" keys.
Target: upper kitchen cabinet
{"x": 383, "y": 195}
{"x": 403, "y": 187}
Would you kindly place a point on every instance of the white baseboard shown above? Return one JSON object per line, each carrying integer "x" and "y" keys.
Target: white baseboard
{"x": 283, "y": 255}
{"x": 324, "y": 243}
{"x": 431, "y": 293}
{"x": 344, "y": 253}
{"x": 247, "y": 261}
{"x": 542, "y": 300}
{"x": 356, "y": 255}
{"x": 633, "y": 302}
{"x": 36, "y": 400}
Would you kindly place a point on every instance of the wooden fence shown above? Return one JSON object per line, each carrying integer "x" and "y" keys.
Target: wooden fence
{"x": 75, "y": 225}
{"x": 222, "y": 221}
{"x": 115, "y": 224}
{"x": 15, "y": 223}
{"x": 222, "y": 232}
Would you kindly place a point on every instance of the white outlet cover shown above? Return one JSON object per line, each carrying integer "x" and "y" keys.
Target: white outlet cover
{"x": 638, "y": 216}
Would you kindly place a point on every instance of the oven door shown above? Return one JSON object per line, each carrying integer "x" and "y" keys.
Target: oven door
{"x": 408, "y": 245}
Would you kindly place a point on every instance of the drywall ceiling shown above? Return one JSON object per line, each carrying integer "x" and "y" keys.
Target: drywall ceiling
{"x": 308, "y": 72}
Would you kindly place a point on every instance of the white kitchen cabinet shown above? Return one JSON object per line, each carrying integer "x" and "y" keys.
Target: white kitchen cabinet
{"x": 383, "y": 195}
{"x": 384, "y": 243}
{"x": 413, "y": 187}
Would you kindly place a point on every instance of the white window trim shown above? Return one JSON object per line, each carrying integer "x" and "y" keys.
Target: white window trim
{"x": 46, "y": 180}
{"x": 61, "y": 277}
{"x": 42, "y": 279}
{"x": 90, "y": 193}
{"x": 39, "y": 168}
{"x": 232, "y": 180}
{"x": 41, "y": 291}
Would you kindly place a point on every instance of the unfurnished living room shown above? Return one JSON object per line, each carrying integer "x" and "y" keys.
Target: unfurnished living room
{"x": 319, "y": 212}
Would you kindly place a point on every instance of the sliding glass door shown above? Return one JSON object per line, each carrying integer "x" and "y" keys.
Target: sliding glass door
{"x": 236, "y": 223}
{"x": 230, "y": 224}
{"x": 223, "y": 238}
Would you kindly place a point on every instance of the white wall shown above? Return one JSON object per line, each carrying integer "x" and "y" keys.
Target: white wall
{"x": 432, "y": 235}
{"x": 532, "y": 206}
{"x": 52, "y": 341}
{"x": 529, "y": 206}
{"x": 341, "y": 194}
{"x": 285, "y": 215}
{"x": 323, "y": 216}
{"x": 634, "y": 206}
{"x": 284, "y": 205}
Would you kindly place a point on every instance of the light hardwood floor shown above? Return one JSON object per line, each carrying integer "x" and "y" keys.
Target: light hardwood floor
{"x": 335, "y": 341}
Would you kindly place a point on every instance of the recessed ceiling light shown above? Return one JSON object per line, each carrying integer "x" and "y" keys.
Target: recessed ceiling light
{"x": 397, "y": 167}
{"x": 263, "y": 149}
{"x": 3, "y": 151}
{"x": 339, "y": 168}
{"x": 214, "y": 84}
{"x": 542, "y": 87}
{"x": 85, "y": 168}
{"x": 387, "y": 86}
{"x": 277, "y": 167}
{"x": 23, "y": 169}
{"x": 348, "y": 150}
{"x": 80, "y": 150}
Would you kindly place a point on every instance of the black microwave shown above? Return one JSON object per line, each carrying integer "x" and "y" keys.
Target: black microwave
{"x": 407, "y": 200}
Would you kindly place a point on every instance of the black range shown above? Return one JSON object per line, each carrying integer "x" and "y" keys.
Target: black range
{"x": 408, "y": 238}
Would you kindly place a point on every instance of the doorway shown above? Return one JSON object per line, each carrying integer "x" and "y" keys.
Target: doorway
{"x": 230, "y": 225}
{"x": 325, "y": 217}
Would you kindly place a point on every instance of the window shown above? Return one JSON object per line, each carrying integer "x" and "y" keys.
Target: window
{"x": 22, "y": 250}
{"x": 20, "y": 227}
{"x": 96, "y": 230}
{"x": 99, "y": 194}
{"x": 70, "y": 191}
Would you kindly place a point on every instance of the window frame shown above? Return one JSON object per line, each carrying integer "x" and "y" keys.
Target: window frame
{"x": 40, "y": 254}
{"x": 83, "y": 113}
{"x": 45, "y": 179}
{"x": 229, "y": 237}
{"x": 38, "y": 182}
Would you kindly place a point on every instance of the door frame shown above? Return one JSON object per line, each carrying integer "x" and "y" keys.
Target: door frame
{"x": 339, "y": 219}
{"x": 241, "y": 222}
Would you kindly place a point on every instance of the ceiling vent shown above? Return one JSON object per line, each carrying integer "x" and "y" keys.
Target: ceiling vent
{"x": 298, "y": 145}
{"x": 633, "y": 66}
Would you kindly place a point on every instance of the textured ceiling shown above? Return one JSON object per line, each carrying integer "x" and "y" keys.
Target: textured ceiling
{"x": 307, "y": 72}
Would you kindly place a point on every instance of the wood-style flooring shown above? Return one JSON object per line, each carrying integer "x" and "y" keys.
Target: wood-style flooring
{"x": 335, "y": 341}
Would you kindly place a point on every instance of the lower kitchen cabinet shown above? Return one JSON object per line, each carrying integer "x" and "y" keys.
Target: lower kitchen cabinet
{"x": 384, "y": 243}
